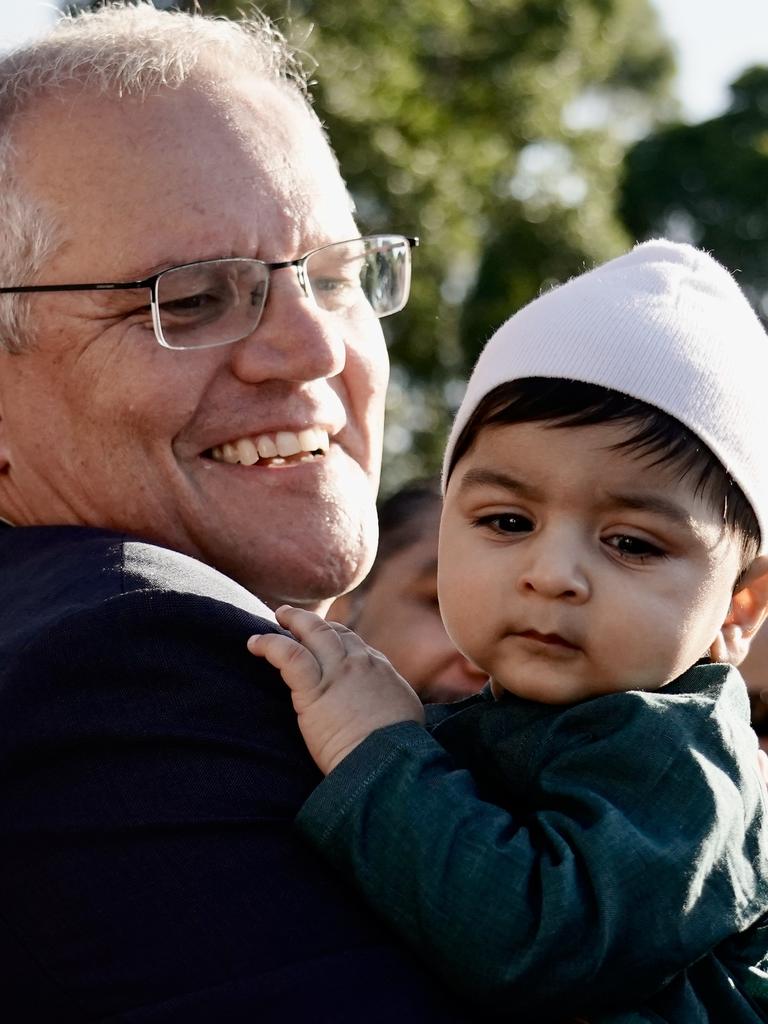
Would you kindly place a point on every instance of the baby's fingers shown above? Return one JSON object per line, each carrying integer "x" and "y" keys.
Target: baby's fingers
{"x": 295, "y": 663}
{"x": 317, "y": 635}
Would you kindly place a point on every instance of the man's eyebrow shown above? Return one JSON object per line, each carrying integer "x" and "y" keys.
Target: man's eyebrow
{"x": 125, "y": 296}
{"x": 143, "y": 272}
{"x": 479, "y": 476}
{"x": 157, "y": 268}
{"x": 651, "y": 503}
{"x": 126, "y": 278}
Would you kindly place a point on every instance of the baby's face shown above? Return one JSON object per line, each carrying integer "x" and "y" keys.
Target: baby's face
{"x": 567, "y": 569}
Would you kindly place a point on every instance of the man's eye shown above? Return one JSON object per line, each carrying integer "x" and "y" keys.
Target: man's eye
{"x": 634, "y": 547}
{"x": 193, "y": 306}
{"x": 329, "y": 286}
{"x": 189, "y": 302}
{"x": 506, "y": 522}
{"x": 322, "y": 285}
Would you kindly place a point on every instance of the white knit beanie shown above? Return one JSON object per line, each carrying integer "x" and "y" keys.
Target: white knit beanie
{"x": 665, "y": 324}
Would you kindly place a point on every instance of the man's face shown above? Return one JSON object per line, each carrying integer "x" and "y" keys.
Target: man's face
{"x": 101, "y": 426}
{"x": 568, "y": 568}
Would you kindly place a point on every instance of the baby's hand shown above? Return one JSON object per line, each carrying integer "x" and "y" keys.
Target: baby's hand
{"x": 342, "y": 689}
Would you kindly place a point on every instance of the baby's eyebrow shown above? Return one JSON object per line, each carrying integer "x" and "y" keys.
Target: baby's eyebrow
{"x": 651, "y": 503}
{"x": 479, "y": 476}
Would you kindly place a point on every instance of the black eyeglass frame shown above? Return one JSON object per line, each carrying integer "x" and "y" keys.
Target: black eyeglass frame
{"x": 152, "y": 281}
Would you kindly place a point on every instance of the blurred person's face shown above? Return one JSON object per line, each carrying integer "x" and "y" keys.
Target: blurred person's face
{"x": 754, "y": 668}
{"x": 100, "y": 426}
{"x": 400, "y": 617}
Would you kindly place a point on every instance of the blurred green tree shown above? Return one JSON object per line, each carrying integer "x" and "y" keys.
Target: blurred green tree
{"x": 495, "y": 130}
{"x": 705, "y": 183}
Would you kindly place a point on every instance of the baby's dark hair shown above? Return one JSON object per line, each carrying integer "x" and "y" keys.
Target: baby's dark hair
{"x": 570, "y": 403}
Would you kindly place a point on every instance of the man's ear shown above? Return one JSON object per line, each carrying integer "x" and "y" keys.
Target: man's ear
{"x": 749, "y": 607}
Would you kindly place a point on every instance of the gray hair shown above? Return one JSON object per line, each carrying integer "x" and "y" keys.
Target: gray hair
{"x": 127, "y": 48}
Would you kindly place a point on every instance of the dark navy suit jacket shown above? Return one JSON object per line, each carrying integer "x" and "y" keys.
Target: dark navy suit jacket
{"x": 150, "y": 771}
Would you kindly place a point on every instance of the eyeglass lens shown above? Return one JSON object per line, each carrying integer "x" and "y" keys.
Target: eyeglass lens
{"x": 220, "y": 301}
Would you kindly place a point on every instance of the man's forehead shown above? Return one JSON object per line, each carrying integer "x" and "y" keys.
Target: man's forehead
{"x": 200, "y": 171}
{"x": 258, "y": 116}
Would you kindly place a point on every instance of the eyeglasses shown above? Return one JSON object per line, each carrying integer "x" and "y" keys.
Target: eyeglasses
{"x": 218, "y": 302}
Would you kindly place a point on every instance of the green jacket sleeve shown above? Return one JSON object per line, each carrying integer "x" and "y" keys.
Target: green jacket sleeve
{"x": 628, "y": 844}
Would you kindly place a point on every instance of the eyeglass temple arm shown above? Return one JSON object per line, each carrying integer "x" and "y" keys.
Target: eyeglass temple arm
{"x": 100, "y": 286}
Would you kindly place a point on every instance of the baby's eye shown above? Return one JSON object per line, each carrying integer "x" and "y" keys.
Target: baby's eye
{"x": 506, "y": 522}
{"x": 634, "y": 547}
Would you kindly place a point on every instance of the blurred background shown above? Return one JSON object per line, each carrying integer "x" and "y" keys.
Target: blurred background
{"x": 523, "y": 140}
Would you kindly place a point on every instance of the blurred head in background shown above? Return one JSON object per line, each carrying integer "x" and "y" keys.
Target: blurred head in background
{"x": 754, "y": 668}
{"x": 396, "y": 609}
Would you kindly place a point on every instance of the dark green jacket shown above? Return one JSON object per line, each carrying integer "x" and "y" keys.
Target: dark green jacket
{"x": 607, "y": 857}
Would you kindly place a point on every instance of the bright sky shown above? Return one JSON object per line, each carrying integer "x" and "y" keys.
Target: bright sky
{"x": 20, "y": 19}
{"x": 715, "y": 41}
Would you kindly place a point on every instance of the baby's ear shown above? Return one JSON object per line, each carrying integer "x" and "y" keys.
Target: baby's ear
{"x": 749, "y": 607}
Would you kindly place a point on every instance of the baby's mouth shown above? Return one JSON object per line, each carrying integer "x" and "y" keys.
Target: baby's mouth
{"x": 548, "y": 638}
{"x": 279, "y": 449}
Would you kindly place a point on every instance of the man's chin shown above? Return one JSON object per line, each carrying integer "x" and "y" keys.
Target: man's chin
{"x": 297, "y": 548}
{"x": 307, "y": 582}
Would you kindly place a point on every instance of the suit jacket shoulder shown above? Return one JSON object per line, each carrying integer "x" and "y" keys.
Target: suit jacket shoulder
{"x": 47, "y": 573}
{"x": 150, "y": 771}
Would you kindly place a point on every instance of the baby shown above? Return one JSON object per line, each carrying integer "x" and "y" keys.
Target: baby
{"x": 588, "y": 833}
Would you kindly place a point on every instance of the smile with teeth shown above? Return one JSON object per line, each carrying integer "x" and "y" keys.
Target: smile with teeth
{"x": 274, "y": 449}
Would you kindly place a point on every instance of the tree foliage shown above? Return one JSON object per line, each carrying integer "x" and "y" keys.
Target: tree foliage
{"x": 705, "y": 183}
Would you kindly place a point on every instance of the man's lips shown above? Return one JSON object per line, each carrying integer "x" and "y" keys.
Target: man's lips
{"x": 553, "y": 639}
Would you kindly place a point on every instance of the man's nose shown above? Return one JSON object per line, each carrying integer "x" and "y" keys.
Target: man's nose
{"x": 555, "y": 569}
{"x": 294, "y": 340}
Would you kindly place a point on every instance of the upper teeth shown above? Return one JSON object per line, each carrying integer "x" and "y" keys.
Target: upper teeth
{"x": 248, "y": 450}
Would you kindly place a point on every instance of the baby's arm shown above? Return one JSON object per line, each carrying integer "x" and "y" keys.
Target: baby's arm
{"x": 607, "y": 868}
{"x": 587, "y": 887}
{"x": 342, "y": 689}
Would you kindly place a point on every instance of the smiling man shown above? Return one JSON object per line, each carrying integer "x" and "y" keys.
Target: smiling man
{"x": 192, "y": 381}
{"x": 104, "y": 427}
